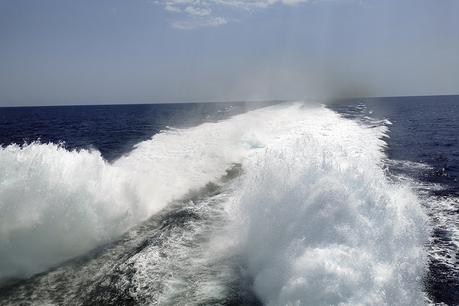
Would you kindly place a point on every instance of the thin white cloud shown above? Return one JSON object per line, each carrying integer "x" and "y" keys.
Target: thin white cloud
{"x": 200, "y": 13}
{"x": 199, "y": 23}
{"x": 197, "y": 11}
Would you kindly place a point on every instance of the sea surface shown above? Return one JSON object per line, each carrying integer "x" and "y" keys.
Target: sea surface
{"x": 231, "y": 203}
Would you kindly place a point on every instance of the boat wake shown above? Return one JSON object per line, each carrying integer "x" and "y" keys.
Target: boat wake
{"x": 285, "y": 205}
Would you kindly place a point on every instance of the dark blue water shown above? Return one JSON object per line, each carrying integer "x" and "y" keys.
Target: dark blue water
{"x": 424, "y": 131}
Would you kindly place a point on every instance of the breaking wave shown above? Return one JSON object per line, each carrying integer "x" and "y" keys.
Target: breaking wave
{"x": 56, "y": 204}
{"x": 313, "y": 219}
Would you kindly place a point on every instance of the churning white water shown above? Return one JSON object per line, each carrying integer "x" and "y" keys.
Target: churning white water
{"x": 322, "y": 225}
{"x": 313, "y": 219}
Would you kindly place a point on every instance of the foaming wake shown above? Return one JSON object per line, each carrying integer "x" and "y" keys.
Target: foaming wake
{"x": 56, "y": 204}
{"x": 313, "y": 219}
{"x": 322, "y": 224}
{"x": 444, "y": 239}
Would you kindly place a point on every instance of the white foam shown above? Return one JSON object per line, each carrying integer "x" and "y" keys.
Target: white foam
{"x": 320, "y": 222}
{"x": 314, "y": 216}
{"x": 56, "y": 204}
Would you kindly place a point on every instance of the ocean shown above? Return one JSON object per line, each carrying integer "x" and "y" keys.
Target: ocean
{"x": 279, "y": 203}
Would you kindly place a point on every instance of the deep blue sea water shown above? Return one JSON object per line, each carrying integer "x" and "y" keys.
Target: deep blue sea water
{"x": 423, "y": 145}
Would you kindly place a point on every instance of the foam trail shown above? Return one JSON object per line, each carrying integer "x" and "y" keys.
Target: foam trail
{"x": 56, "y": 204}
{"x": 313, "y": 217}
{"x": 321, "y": 223}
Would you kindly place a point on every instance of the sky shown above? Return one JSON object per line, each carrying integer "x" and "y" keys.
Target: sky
{"x": 56, "y": 52}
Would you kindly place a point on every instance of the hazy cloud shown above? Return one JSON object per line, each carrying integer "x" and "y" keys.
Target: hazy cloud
{"x": 200, "y": 13}
{"x": 208, "y": 21}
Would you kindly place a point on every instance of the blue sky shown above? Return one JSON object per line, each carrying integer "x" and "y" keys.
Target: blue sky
{"x": 140, "y": 51}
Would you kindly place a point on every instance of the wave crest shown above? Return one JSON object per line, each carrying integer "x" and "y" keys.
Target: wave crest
{"x": 56, "y": 204}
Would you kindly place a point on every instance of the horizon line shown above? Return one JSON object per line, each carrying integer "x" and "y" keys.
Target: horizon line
{"x": 231, "y": 101}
